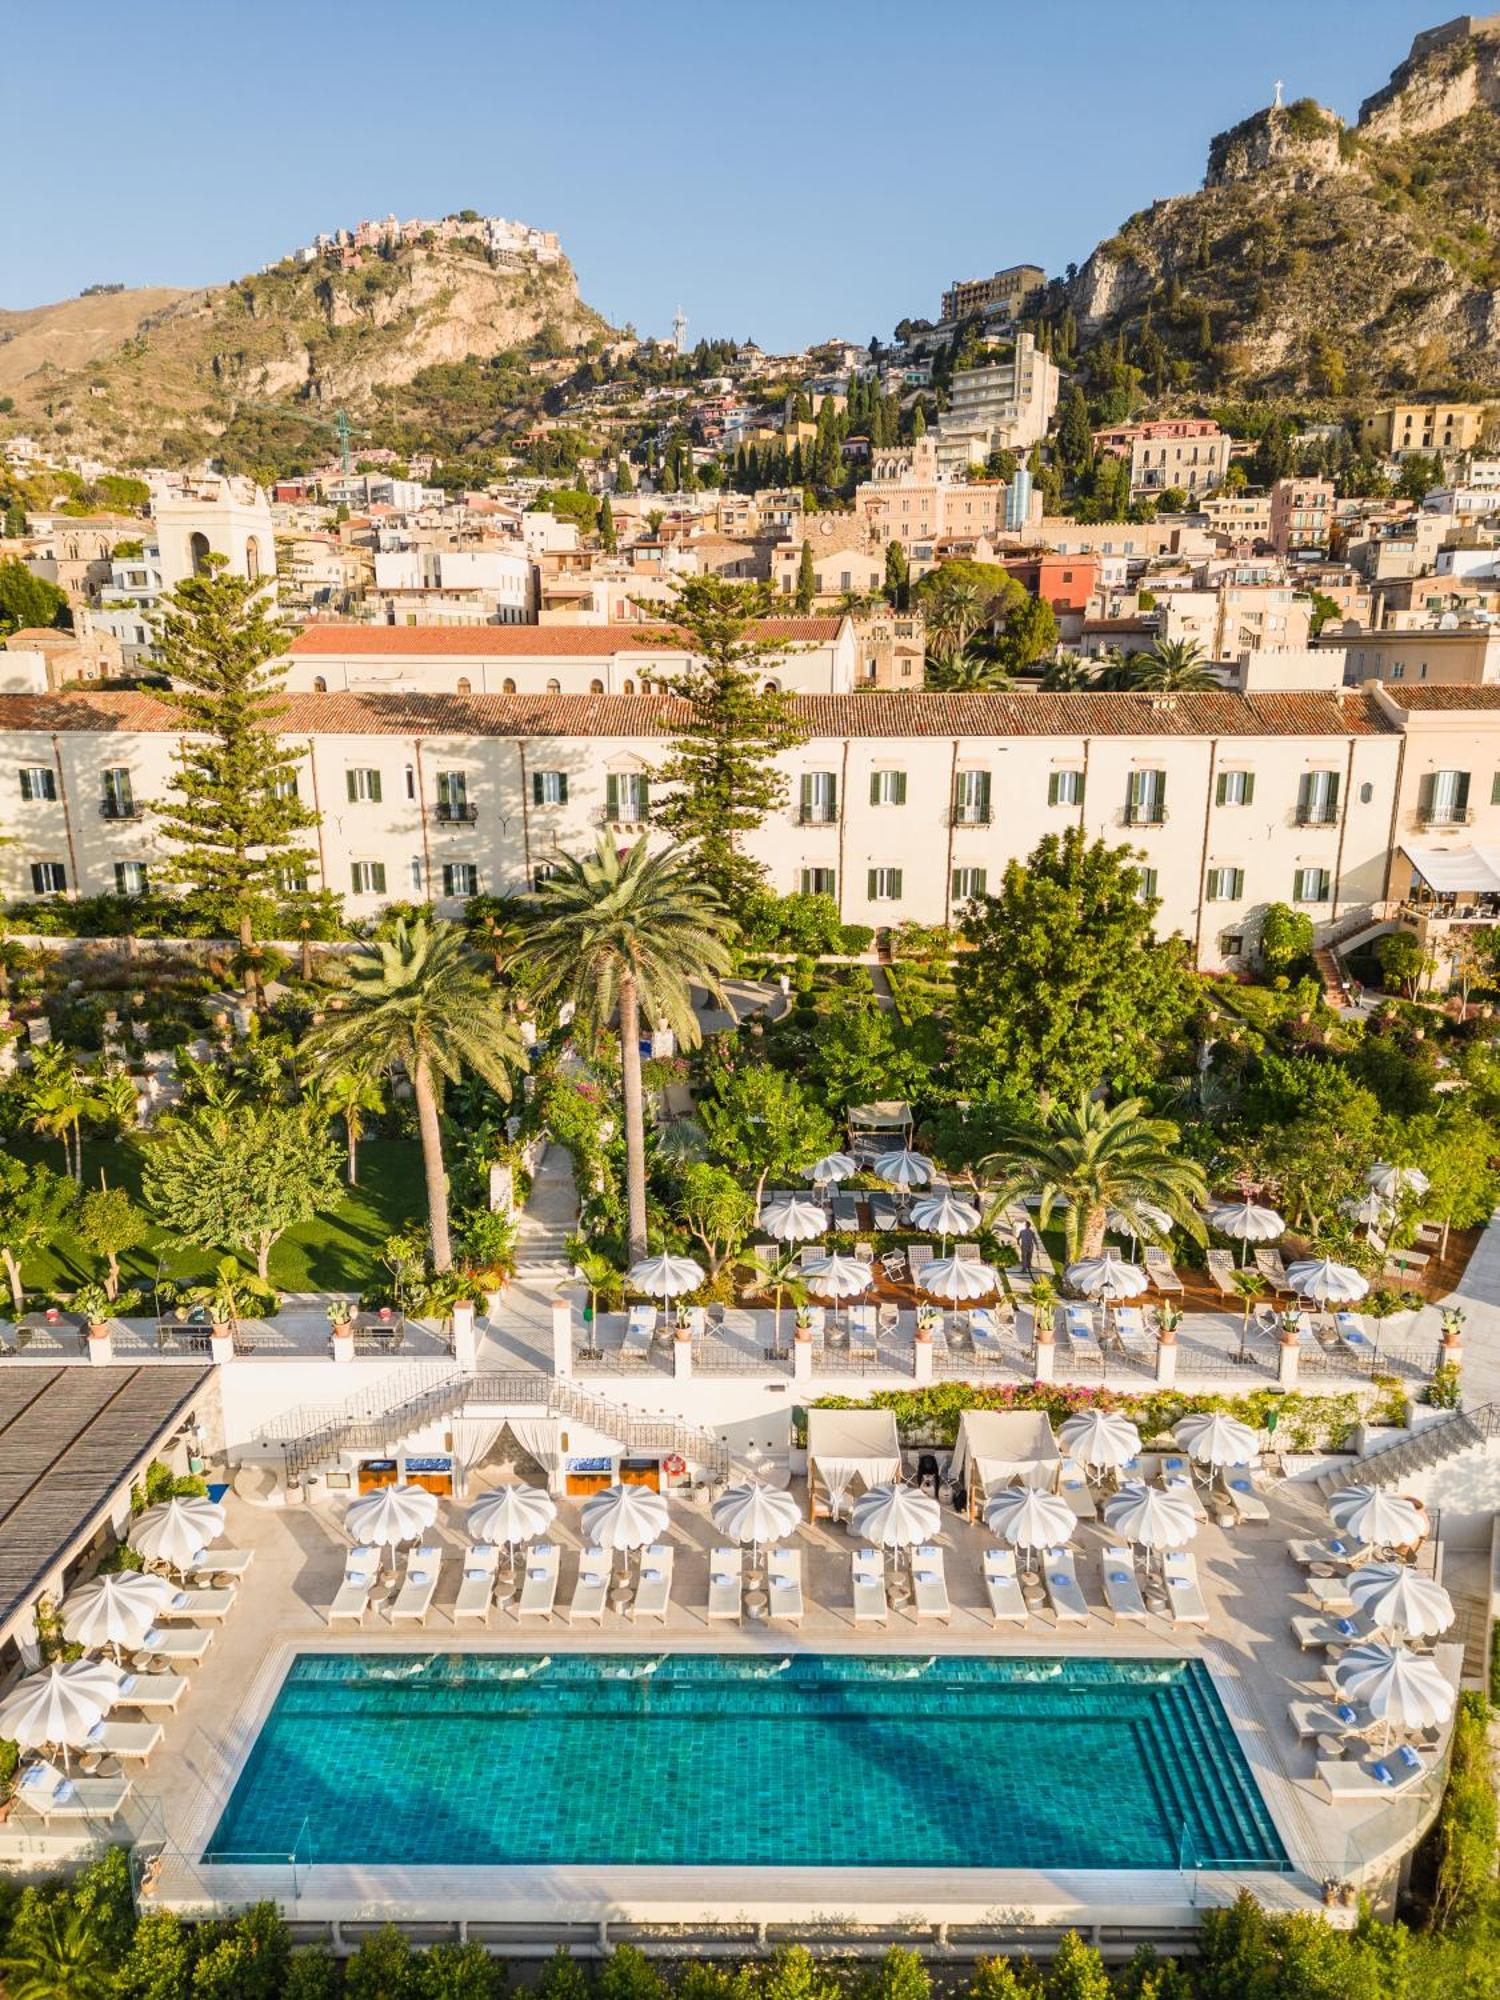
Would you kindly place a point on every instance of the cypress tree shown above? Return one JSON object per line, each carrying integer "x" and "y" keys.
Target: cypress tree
{"x": 918, "y": 421}
{"x": 807, "y": 582}
{"x": 624, "y": 483}
{"x": 608, "y": 540}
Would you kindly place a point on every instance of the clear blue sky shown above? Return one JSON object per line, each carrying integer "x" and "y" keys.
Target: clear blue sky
{"x": 785, "y": 171}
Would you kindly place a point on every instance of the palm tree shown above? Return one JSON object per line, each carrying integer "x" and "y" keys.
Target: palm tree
{"x": 62, "y": 1958}
{"x": 421, "y": 1001}
{"x": 779, "y": 1270}
{"x": 1250, "y": 1286}
{"x": 1173, "y": 666}
{"x": 599, "y": 1274}
{"x": 1096, "y": 1157}
{"x": 969, "y": 672}
{"x": 347, "y": 1094}
{"x": 627, "y": 932}
{"x": 1069, "y": 674}
{"x": 955, "y": 610}
{"x": 58, "y": 1098}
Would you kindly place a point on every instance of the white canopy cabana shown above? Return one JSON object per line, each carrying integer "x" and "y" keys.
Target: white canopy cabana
{"x": 1456, "y": 871}
{"x": 848, "y": 1451}
{"x": 996, "y": 1448}
{"x": 888, "y": 1118}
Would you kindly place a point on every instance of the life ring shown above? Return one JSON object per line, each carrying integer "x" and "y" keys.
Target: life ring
{"x": 674, "y": 1465}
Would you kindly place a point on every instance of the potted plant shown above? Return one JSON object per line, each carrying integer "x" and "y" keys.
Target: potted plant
{"x": 341, "y": 1314}
{"x": 231, "y": 1295}
{"x": 1168, "y": 1319}
{"x": 97, "y": 1309}
{"x": 804, "y": 1322}
{"x": 1043, "y": 1305}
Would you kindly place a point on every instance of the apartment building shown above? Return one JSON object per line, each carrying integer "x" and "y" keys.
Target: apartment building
{"x": 1189, "y": 453}
{"x": 1235, "y": 618}
{"x": 1424, "y": 427}
{"x": 500, "y": 580}
{"x": 1004, "y": 294}
{"x": 1004, "y": 406}
{"x": 908, "y": 499}
{"x": 1301, "y": 515}
{"x": 1461, "y": 656}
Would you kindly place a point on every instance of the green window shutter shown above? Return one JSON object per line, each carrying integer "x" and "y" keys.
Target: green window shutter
{"x": 1052, "y": 789}
{"x": 807, "y": 792}
{"x": 982, "y": 802}
{"x": 875, "y": 782}
{"x": 611, "y": 797}
{"x": 900, "y": 792}
{"x": 643, "y": 797}
{"x": 562, "y": 788}
{"x": 352, "y": 779}
{"x": 1249, "y": 787}
{"x": 1426, "y": 789}
{"x": 1460, "y": 792}
{"x": 375, "y": 792}
{"x": 896, "y": 884}
{"x": 377, "y": 877}
{"x": 1334, "y": 781}
{"x": 870, "y": 885}
{"x": 1221, "y": 790}
{"x": 536, "y": 789}
{"x": 1495, "y": 789}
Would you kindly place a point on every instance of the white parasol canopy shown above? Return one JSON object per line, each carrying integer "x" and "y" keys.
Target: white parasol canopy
{"x": 1329, "y": 1283}
{"x": 755, "y": 1512}
{"x": 116, "y": 1609}
{"x": 1384, "y": 1520}
{"x": 1214, "y": 1439}
{"x": 1106, "y": 1277}
{"x": 511, "y": 1514}
{"x": 944, "y": 1214}
{"x": 61, "y": 1704}
{"x": 666, "y": 1276}
{"x": 895, "y": 1516}
{"x": 904, "y": 1168}
{"x": 1395, "y": 1598}
{"x": 792, "y": 1220}
{"x": 1145, "y": 1212}
{"x": 1405, "y": 1690}
{"x": 1394, "y": 1181}
{"x": 1151, "y": 1517}
{"x": 1246, "y": 1222}
{"x": 1100, "y": 1438}
{"x": 958, "y": 1278}
{"x": 1372, "y": 1210}
{"x": 833, "y": 1167}
{"x": 625, "y": 1517}
{"x": 390, "y": 1515}
{"x": 838, "y": 1277}
{"x": 177, "y": 1531}
{"x": 1029, "y": 1518}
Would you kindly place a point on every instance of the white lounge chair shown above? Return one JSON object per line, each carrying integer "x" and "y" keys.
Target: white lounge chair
{"x": 202, "y": 1607}
{"x": 726, "y": 1585}
{"x": 1330, "y": 1593}
{"x": 1159, "y": 1269}
{"x": 929, "y": 1585}
{"x": 1349, "y": 1782}
{"x": 1350, "y": 1329}
{"x": 539, "y": 1590}
{"x": 1002, "y": 1588}
{"x": 871, "y": 1605}
{"x": 1132, "y": 1333}
{"x": 1220, "y": 1267}
{"x": 361, "y": 1569}
{"x": 1324, "y": 1718}
{"x": 131, "y": 1742}
{"x": 1335, "y": 1550}
{"x": 1238, "y": 1489}
{"x": 1082, "y": 1333}
{"x": 1073, "y": 1485}
{"x": 1334, "y": 1632}
{"x": 784, "y": 1586}
{"x": 1184, "y": 1598}
{"x": 476, "y": 1589}
{"x": 1269, "y": 1264}
{"x": 1122, "y": 1590}
{"x": 184, "y": 1642}
{"x": 984, "y": 1333}
{"x": 653, "y": 1594}
{"x": 1061, "y": 1581}
{"x": 1182, "y": 1486}
{"x": 591, "y": 1588}
{"x": 221, "y": 1562}
{"x": 640, "y": 1329}
{"x": 46, "y": 1791}
{"x": 423, "y": 1568}
{"x": 151, "y": 1691}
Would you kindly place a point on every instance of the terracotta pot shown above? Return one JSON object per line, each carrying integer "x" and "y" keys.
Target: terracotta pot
{"x": 98, "y": 1329}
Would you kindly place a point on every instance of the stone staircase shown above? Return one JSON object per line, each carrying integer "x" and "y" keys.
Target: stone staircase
{"x": 549, "y": 1218}
{"x": 1393, "y": 1462}
{"x": 1332, "y": 976}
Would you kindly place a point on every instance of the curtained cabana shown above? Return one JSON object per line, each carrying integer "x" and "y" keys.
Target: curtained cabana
{"x": 998, "y": 1448}
{"x": 848, "y": 1451}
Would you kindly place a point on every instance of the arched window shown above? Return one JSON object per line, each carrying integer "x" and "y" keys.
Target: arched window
{"x": 627, "y": 687}
{"x": 773, "y": 687}
{"x": 252, "y": 559}
{"x": 596, "y": 687}
{"x": 320, "y": 686}
{"x": 507, "y": 686}
{"x": 554, "y": 687}
{"x": 198, "y": 553}
{"x": 465, "y": 685}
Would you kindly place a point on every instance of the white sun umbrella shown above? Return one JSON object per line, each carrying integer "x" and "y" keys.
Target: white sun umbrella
{"x": 116, "y": 1609}
{"x": 838, "y": 1277}
{"x": 1246, "y": 1222}
{"x": 625, "y": 1517}
{"x": 894, "y": 1516}
{"x": 1029, "y": 1518}
{"x": 903, "y": 1168}
{"x": 1099, "y": 1438}
{"x": 1329, "y": 1283}
{"x": 177, "y": 1531}
{"x": 665, "y": 1277}
{"x": 1151, "y": 1517}
{"x": 1393, "y": 1181}
{"x": 511, "y": 1514}
{"x": 1106, "y": 1277}
{"x": 1129, "y": 1225}
{"x": 793, "y": 1220}
{"x": 1373, "y": 1210}
{"x": 1214, "y": 1439}
{"x": 958, "y": 1278}
{"x": 1383, "y": 1520}
{"x": 390, "y": 1515}
{"x": 756, "y": 1513}
{"x": 944, "y": 1214}
{"x": 832, "y": 1167}
{"x": 1402, "y": 1689}
{"x": 1396, "y": 1598}
{"x": 60, "y": 1705}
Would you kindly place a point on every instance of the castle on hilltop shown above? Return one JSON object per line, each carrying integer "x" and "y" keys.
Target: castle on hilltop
{"x": 505, "y": 241}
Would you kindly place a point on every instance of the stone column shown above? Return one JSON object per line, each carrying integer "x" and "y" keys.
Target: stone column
{"x": 802, "y": 1357}
{"x": 1166, "y": 1360}
{"x": 1288, "y": 1363}
{"x": 100, "y": 1346}
{"x": 922, "y": 1359}
{"x": 682, "y": 1358}
{"x": 221, "y": 1346}
{"x": 1044, "y": 1347}
{"x": 562, "y": 1338}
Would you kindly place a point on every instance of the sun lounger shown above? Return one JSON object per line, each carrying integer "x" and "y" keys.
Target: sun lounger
{"x": 590, "y": 1588}
{"x": 1335, "y": 1632}
{"x": 44, "y": 1790}
{"x": 1122, "y": 1590}
{"x": 1061, "y": 1581}
{"x": 1272, "y": 1269}
{"x": 1183, "y": 1487}
{"x": 183, "y": 1642}
{"x": 893, "y": 1263}
{"x": 784, "y": 1585}
{"x": 151, "y": 1691}
{"x": 1159, "y": 1269}
{"x": 131, "y": 1742}
{"x": 204, "y": 1607}
{"x": 653, "y": 1594}
{"x": 476, "y": 1590}
{"x": 221, "y": 1562}
{"x": 862, "y": 1329}
{"x": 1184, "y": 1598}
{"x": 1324, "y": 1718}
{"x": 929, "y": 1585}
{"x": 871, "y": 1606}
{"x": 1350, "y": 1329}
{"x": 1220, "y": 1267}
{"x": 1002, "y": 1588}
{"x": 918, "y": 1257}
{"x": 539, "y": 1591}
{"x": 361, "y": 1568}
{"x": 1329, "y": 1593}
{"x": 1079, "y": 1321}
{"x": 640, "y": 1327}
{"x": 1334, "y": 1550}
{"x": 1237, "y": 1488}
{"x": 984, "y": 1332}
{"x": 845, "y": 1212}
{"x": 726, "y": 1585}
{"x": 1131, "y": 1332}
{"x": 423, "y": 1567}
{"x": 1349, "y": 1782}
{"x": 1073, "y": 1485}
{"x": 883, "y": 1217}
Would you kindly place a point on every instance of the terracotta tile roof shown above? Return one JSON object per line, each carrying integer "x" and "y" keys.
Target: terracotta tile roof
{"x": 1434, "y": 696}
{"x": 873, "y": 714}
{"x": 474, "y": 642}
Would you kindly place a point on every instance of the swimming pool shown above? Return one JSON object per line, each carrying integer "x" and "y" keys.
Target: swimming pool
{"x": 807, "y": 1760}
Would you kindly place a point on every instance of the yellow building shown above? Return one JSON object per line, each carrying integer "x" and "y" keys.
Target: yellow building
{"x": 1411, "y": 427}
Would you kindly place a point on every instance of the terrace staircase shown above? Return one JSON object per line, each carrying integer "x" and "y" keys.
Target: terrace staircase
{"x": 376, "y": 1421}
{"x": 1332, "y": 975}
{"x": 549, "y": 1218}
{"x": 1393, "y": 1462}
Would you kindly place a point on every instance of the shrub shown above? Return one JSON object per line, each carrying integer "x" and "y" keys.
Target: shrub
{"x": 1467, "y": 1823}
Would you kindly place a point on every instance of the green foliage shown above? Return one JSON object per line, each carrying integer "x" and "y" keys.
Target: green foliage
{"x": 761, "y": 1121}
{"x": 108, "y": 1225}
{"x": 33, "y": 1203}
{"x": 28, "y": 601}
{"x": 237, "y": 1178}
{"x": 1286, "y": 938}
{"x": 1401, "y": 958}
{"x": 717, "y": 1209}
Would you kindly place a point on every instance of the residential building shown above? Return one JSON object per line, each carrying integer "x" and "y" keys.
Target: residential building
{"x": 1235, "y": 618}
{"x": 836, "y": 571}
{"x": 1301, "y": 515}
{"x": 1004, "y": 294}
{"x": 907, "y": 499}
{"x": 502, "y": 577}
{"x": 1006, "y": 405}
{"x": 1404, "y": 428}
{"x": 1189, "y": 453}
{"x": 1456, "y": 656}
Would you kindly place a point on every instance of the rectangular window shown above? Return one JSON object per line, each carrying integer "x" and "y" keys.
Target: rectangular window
{"x": 542, "y": 872}
{"x": 1146, "y": 799}
{"x": 411, "y": 781}
{"x": 1495, "y": 789}
{"x": 130, "y": 878}
{"x": 368, "y": 878}
{"x": 291, "y": 882}
{"x": 549, "y": 788}
{"x": 1318, "y": 798}
{"x": 887, "y": 788}
{"x": 284, "y": 787}
{"x": 1311, "y": 885}
{"x": 1236, "y": 788}
{"x": 971, "y": 798}
{"x": 885, "y": 885}
{"x": 38, "y": 783}
{"x": 820, "y": 798}
{"x": 819, "y": 882}
{"x": 453, "y": 789}
{"x": 118, "y": 801}
{"x": 1065, "y": 788}
{"x": 460, "y": 878}
{"x": 48, "y": 878}
{"x": 1226, "y": 885}
{"x": 1233, "y": 945}
{"x": 364, "y": 787}
{"x": 418, "y": 876}
{"x": 625, "y": 798}
{"x": 967, "y": 884}
{"x": 1443, "y": 798}
{"x": 1145, "y": 885}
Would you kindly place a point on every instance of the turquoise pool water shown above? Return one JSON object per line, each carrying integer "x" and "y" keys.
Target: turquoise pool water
{"x": 812, "y": 1760}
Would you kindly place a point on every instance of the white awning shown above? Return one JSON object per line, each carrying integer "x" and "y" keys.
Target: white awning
{"x": 845, "y": 1446}
{"x": 1005, "y": 1445}
{"x": 1456, "y": 871}
{"x": 891, "y": 1114}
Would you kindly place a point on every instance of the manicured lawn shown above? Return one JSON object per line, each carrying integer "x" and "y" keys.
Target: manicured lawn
{"x": 338, "y": 1252}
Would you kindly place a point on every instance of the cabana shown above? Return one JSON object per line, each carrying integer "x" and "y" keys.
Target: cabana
{"x": 998, "y": 1448}
{"x": 848, "y": 1451}
{"x": 878, "y": 1128}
